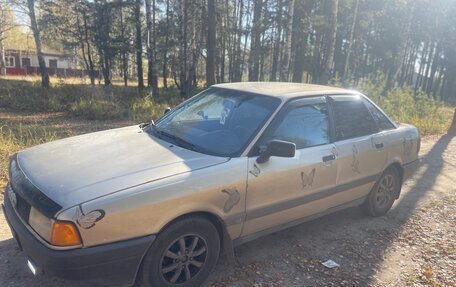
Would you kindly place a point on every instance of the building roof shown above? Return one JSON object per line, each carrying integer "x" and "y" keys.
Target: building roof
{"x": 47, "y": 52}
{"x": 283, "y": 89}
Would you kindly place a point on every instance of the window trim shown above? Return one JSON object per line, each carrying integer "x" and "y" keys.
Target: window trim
{"x": 7, "y": 64}
{"x": 293, "y": 102}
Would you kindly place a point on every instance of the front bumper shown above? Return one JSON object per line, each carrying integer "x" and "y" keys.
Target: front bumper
{"x": 410, "y": 168}
{"x": 115, "y": 263}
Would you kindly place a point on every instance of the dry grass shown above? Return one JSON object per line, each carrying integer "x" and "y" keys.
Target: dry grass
{"x": 56, "y": 80}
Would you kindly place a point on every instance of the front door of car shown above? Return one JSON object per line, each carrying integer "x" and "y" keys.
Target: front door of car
{"x": 282, "y": 190}
{"x": 360, "y": 147}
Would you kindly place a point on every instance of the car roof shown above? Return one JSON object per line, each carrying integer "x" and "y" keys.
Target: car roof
{"x": 284, "y": 89}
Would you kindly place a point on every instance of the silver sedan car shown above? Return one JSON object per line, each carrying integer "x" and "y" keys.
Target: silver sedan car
{"x": 157, "y": 204}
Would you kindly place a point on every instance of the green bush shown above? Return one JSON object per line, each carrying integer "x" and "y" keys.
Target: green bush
{"x": 145, "y": 109}
{"x": 403, "y": 105}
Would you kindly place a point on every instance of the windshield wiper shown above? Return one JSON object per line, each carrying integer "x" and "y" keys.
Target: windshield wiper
{"x": 179, "y": 141}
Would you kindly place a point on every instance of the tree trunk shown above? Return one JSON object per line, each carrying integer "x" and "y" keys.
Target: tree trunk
{"x": 2, "y": 56}
{"x": 278, "y": 42}
{"x": 138, "y": 44}
{"x": 330, "y": 43}
{"x": 183, "y": 63}
{"x": 39, "y": 52}
{"x": 428, "y": 67}
{"x": 254, "y": 59}
{"x": 123, "y": 53}
{"x": 398, "y": 59}
{"x": 210, "y": 58}
{"x": 419, "y": 76}
{"x": 152, "y": 79}
{"x": 90, "y": 65}
{"x": 285, "y": 71}
{"x": 350, "y": 41}
{"x": 246, "y": 37}
{"x": 165, "y": 50}
{"x": 435, "y": 64}
{"x": 452, "y": 129}
{"x": 300, "y": 42}
{"x": 238, "y": 62}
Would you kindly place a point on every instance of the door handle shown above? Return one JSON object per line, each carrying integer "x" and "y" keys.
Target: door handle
{"x": 379, "y": 145}
{"x": 329, "y": 158}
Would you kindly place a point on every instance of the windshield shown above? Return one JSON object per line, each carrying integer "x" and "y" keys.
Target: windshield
{"x": 218, "y": 121}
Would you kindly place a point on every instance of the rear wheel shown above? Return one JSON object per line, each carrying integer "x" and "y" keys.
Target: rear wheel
{"x": 182, "y": 255}
{"x": 383, "y": 194}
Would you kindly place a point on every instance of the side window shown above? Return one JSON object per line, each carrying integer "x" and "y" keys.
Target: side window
{"x": 25, "y": 62}
{"x": 305, "y": 125}
{"x": 352, "y": 118}
{"x": 10, "y": 62}
{"x": 383, "y": 123}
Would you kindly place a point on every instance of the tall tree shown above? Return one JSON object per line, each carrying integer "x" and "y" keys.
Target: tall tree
{"x": 398, "y": 57}
{"x": 152, "y": 78}
{"x": 165, "y": 50}
{"x": 350, "y": 40}
{"x": 124, "y": 51}
{"x": 286, "y": 62}
{"x": 330, "y": 42}
{"x": 278, "y": 42}
{"x": 6, "y": 24}
{"x": 37, "y": 37}
{"x": 138, "y": 44}
{"x": 255, "y": 47}
{"x": 452, "y": 129}
{"x": 210, "y": 57}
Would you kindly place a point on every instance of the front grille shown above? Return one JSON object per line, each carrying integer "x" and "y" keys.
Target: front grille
{"x": 22, "y": 208}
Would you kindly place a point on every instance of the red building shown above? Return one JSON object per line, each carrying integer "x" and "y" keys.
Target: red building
{"x": 25, "y": 62}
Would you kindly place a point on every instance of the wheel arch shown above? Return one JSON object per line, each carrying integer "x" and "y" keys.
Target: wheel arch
{"x": 226, "y": 243}
{"x": 214, "y": 219}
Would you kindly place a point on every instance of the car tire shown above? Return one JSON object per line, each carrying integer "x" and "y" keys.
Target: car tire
{"x": 383, "y": 194}
{"x": 182, "y": 255}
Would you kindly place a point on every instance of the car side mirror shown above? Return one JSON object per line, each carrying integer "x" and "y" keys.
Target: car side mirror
{"x": 277, "y": 148}
{"x": 167, "y": 110}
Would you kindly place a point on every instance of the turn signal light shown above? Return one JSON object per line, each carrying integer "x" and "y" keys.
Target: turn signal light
{"x": 65, "y": 233}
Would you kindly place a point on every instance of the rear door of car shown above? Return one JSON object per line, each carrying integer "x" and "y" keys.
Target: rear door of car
{"x": 283, "y": 190}
{"x": 360, "y": 147}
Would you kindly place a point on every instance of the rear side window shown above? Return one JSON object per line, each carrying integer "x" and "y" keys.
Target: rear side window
{"x": 383, "y": 123}
{"x": 352, "y": 118}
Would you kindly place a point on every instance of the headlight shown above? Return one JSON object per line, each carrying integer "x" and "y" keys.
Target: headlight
{"x": 41, "y": 224}
{"x": 58, "y": 233}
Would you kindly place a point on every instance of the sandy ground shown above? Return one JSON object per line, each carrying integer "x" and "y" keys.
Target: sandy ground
{"x": 413, "y": 245}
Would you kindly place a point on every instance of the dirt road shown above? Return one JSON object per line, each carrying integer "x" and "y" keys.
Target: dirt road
{"x": 413, "y": 245}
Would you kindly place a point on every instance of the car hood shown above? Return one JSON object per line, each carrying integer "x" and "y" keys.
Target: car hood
{"x": 81, "y": 168}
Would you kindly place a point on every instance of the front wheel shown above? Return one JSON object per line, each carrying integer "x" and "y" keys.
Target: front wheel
{"x": 383, "y": 194}
{"x": 182, "y": 255}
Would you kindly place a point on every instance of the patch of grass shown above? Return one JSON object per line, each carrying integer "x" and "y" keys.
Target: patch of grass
{"x": 85, "y": 101}
{"x": 13, "y": 140}
{"x": 96, "y": 109}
